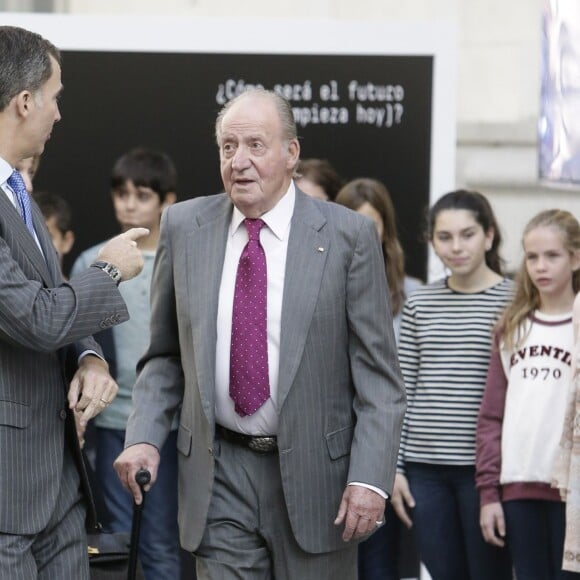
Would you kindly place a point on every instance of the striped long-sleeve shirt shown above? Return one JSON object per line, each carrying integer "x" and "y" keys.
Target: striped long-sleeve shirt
{"x": 444, "y": 351}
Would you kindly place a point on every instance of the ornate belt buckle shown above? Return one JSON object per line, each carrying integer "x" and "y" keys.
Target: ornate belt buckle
{"x": 262, "y": 444}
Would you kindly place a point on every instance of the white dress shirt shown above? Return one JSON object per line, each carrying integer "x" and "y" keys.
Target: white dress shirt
{"x": 5, "y": 173}
{"x": 274, "y": 240}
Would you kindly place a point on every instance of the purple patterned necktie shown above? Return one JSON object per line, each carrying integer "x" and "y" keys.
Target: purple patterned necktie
{"x": 249, "y": 381}
{"x": 16, "y": 182}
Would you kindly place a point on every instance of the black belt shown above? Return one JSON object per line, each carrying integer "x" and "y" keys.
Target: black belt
{"x": 258, "y": 443}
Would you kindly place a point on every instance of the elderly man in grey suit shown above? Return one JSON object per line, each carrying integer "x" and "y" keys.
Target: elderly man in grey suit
{"x": 44, "y": 323}
{"x": 271, "y": 331}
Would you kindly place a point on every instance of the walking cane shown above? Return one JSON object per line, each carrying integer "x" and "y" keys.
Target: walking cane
{"x": 142, "y": 477}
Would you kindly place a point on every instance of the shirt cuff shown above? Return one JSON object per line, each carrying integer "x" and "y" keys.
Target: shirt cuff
{"x": 382, "y": 493}
{"x": 86, "y": 352}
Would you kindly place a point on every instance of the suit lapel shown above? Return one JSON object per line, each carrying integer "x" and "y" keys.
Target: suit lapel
{"x": 206, "y": 245}
{"x": 22, "y": 244}
{"x": 51, "y": 257}
{"x": 308, "y": 247}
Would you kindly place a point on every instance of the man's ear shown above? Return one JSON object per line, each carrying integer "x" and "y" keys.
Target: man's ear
{"x": 22, "y": 102}
{"x": 293, "y": 153}
{"x": 169, "y": 199}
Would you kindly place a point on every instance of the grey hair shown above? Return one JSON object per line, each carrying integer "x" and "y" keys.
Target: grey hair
{"x": 24, "y": 62}
{"x": 283, "y": 107}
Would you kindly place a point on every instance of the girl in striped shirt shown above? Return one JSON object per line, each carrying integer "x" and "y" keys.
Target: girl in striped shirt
{"x": 444, "y": 350}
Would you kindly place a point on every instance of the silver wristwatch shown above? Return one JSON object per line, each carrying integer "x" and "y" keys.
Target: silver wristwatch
{"x": 111, "y": 270}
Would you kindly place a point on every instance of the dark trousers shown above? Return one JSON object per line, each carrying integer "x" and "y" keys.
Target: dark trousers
{"x": 446, "y": 519}
{"x": 58, "y": 551}
{"x": 159, "y": 539}
{"x": 535, "y": 537}
{"x": 390, "y": 553}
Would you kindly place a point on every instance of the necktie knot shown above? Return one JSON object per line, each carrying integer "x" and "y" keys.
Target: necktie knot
{"x": 253, "y": 227}
{"x": 16, "y": 182}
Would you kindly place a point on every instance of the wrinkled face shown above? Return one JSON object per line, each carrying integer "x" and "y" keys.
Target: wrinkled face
{"x": 137, "y": 207}
{"x": 43, "y": 111}
{"x": 548, "y": 262}
{"x": 312, "y": 189}
{"x": 369, "y": 211}
{"x": 460, "y": 242}
{"x": 256, "y": 161}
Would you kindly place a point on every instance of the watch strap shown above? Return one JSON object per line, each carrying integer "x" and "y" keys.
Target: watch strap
{"x": 110, "y": 269}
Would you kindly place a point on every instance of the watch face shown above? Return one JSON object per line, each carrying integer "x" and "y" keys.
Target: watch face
{"x": 113, "y": 272}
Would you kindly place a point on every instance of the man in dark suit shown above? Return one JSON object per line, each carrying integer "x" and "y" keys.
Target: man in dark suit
{"x": 44, "y": 323}
{"x": 271, "y": 329}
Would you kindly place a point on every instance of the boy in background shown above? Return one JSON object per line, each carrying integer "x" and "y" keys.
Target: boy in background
{"x": 57, "y": 216}
{"x": 143, "y": 183}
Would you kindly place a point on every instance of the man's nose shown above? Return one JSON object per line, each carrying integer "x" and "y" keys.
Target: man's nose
{"x": 241, "y": 159}
{"x": 57, "y": 116}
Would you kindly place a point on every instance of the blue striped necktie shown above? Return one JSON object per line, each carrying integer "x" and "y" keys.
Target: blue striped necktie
{"x": 16, "y": 182}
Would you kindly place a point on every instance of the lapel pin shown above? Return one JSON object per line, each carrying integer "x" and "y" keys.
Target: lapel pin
{"x": 321, "y": 249}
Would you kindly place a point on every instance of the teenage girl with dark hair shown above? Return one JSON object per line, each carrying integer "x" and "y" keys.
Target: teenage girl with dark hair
{"x": 444, "y": 351}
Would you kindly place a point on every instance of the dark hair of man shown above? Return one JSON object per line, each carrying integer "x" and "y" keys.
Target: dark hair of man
{"x": 480, "y": 208}
{"x": 283, "y": 107}
{"x": 321, "y": 172}
{"x": 146, "y": 168}
{"x": 53, "y": 205}
{"x": 24, "y": 62}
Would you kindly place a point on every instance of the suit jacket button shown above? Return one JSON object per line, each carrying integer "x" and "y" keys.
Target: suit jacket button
{"x": 62, "y": 414}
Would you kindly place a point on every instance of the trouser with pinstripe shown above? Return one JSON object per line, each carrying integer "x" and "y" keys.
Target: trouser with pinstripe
{"x": 60, "y": 550}
{"x": 248, "y": 535}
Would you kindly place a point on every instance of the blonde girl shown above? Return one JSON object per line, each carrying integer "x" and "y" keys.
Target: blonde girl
{"x": 523, "y": 409}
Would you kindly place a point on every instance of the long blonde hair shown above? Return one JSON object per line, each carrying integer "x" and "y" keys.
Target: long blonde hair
{"x": 364, "y": 190}
{"x": 527, "y": 297}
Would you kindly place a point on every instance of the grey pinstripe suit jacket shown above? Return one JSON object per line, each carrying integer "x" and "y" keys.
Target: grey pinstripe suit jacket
{"x": 41, "y": 321}
{"x": 340, "y": 396}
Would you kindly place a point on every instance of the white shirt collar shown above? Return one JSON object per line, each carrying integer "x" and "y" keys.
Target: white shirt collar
{"x": 277, "y": 219}
{"x": 5, "y": 171}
